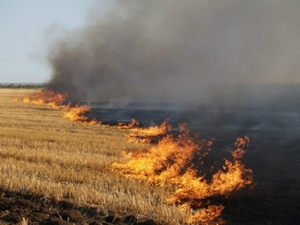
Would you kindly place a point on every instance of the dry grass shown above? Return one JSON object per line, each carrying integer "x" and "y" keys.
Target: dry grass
{"x": 43, "y": 153}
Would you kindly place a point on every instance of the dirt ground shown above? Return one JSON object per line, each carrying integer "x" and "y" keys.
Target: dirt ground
{"x": 22, "y": 208}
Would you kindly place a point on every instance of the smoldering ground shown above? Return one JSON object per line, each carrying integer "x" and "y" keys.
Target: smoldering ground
{"x": 178, "y": 51}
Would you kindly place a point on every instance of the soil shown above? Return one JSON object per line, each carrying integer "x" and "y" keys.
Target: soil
{"x": 22, "y": 208}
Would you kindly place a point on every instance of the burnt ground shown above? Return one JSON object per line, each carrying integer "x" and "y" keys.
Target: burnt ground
{"x": 273, "y": 155}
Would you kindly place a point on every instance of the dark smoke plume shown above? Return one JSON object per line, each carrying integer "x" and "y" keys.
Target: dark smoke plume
{"x": 192, "y": 51}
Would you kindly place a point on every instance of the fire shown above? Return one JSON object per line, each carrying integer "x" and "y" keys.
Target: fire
{"x": 55, "y": 100}
{"x": 149, "y": 134}
{"x": 48, "y": 97}
{"x": 79, "y": 114}
{"x": 134, "y": 124}
{"x": 173, "y": 160}
{"x": 205, "y": 215}
{"x": 179, "y": 161}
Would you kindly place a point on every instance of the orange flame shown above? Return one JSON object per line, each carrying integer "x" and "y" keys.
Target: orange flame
{"x": 79, "y": 114}
{"x": 48, "y": 97}
{"x": 134, "y": 124}
{"x": 176, "y": 160}
{"x": 55, "y": 100}
{"x": 147, "y": 135}
{"x": 205, "y": 215}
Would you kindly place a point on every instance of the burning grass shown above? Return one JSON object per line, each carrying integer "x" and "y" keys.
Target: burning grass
{"x": 43, "y": 153}
{"x": 178, "y": 161}
{"x": 150, "y": 134}
{"x": 74, "y": 162}
{"x": 53, "y": 99}
{"x": 47, "y": 97}
{"x": 134, "y": 124}
{"x": 79, "y": 114}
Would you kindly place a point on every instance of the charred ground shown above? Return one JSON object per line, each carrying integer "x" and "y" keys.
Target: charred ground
{"x": 273, "y": 154}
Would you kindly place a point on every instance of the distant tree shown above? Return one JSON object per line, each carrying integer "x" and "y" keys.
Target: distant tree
{"x": 22, "y": 85}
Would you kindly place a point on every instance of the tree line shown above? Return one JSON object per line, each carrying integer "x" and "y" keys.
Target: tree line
{"x": 22, "y": 85}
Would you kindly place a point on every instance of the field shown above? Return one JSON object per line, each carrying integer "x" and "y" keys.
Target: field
{"x": 43, "y": 154}
{"x": 54, "y": 171}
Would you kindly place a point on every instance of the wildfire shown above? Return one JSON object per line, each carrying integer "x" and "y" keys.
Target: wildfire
{"x": 55, "y": 100}
{"x": 150, "y": 134}
{"x": 134, "y": 124}
{"x": 48, "y": 97}
{"x": 174, "y": 160}
{"x": 178, "y": 161}
{"x": 79, "y": 114}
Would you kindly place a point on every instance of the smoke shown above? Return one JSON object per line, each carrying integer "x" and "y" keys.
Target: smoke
{"x": 193, "y": 51}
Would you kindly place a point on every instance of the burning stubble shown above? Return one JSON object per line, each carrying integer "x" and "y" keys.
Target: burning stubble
{"x": 179, "y": 161}
{"x": 222, "y": 54}
{"x": 178, "y": 51}
{"x": 173, "y": 160}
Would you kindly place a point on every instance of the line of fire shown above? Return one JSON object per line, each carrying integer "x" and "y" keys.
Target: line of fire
{"x": 176, "y": 157}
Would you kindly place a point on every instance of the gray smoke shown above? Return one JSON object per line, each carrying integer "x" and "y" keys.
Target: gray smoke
{"x": 190, "y": 51}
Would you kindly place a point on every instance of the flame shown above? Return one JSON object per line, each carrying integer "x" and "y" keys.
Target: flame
{"x": 134, "y": 124}
{"x": 175, "y": 160}
{"x": 205, "y": 215}
{"x": 48, "y": 97}
{"x": 147, "y": 135}
{"x": 55, "y": 100}
{"x": 178, "y": 161}
{"x": 79, "y": 114}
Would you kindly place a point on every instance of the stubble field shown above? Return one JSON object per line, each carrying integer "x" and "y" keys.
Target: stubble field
{"x": 54, "y": 171}
{"x": 43, "y": 154}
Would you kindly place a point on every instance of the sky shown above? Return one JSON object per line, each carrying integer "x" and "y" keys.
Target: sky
{"x": 25, "y": 29}
{"x": 231, "y": 38}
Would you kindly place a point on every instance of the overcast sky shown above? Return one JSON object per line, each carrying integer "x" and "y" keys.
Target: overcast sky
{"x": 25, "y": 27}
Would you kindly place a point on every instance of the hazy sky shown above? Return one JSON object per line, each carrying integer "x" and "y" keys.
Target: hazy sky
{"x": 252, "y": 40}
{"x": 25, "y": 27}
